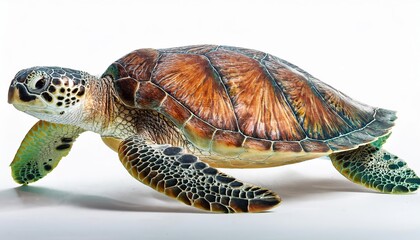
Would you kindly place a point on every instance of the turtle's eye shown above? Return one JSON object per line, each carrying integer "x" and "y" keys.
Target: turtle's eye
{"x": 37, "y": 83}
{"x": 40, "y": 84}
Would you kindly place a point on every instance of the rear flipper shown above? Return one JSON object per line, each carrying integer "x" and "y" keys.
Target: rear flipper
{"x": 376, "y": 168}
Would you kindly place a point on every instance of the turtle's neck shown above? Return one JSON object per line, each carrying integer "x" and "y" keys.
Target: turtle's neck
{"x": 99, "y": 108}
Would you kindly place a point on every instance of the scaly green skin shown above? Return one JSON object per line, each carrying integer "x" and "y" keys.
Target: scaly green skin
{"x": 184, "y": 177}
{"x": 377, "y": 169}
{"x": 41, "y": 150}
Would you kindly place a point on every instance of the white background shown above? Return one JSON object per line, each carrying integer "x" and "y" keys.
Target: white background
{"x": 367, "y": 49}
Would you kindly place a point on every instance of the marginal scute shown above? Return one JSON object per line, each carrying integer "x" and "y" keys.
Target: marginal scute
{"x": 375, "y": 132}
{"x": 341, "y": 143}
{"x": 287, "y": 147}
{"x": 359, "y": 137}
{"x": 384, "y": 115}
{"x": 381, "y": 125}
{"x": 199, "y": 132}
{"x": 227, "y": 143}
{"x": 257, "y": 144}
{"x": 314, "y": 146}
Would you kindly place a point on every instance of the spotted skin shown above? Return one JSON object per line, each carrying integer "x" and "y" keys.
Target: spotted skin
{"x": 60, "y": 87}
{"x": 377, "y": 169}
{"x": 184, "y": 177}
{"x": 41, "y": 150}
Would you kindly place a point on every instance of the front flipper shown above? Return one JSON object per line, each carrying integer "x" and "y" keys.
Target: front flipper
{"x": 375, "y": 168}
{"x": 41, "y": 150}
{"x": 184, "y": 177}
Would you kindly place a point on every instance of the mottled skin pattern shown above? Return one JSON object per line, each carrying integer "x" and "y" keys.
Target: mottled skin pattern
{"x": 175, "y": 114}
{"x": 33, "y": 161}
{"x": 376, "y": 169}
{"x": 192, "y": 182}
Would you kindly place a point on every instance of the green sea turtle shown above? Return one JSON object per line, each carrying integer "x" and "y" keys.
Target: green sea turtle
{"x": 173, "y": 115}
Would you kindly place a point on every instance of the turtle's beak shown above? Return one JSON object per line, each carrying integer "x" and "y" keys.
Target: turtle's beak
{"x": 23, "y": 101}
{"x": 19, "y": 94}
{"x": 12, "y": 94}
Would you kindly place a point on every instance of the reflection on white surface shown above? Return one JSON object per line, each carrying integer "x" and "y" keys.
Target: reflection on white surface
{"x": 320, "y": 203}
{"x": 27, "y": 197}
{"x": 294, "y": 188}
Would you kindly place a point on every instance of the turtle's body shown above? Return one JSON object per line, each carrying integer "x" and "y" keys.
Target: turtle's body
{"x": 251, "y": 109}
{"x": 226, "y": 106}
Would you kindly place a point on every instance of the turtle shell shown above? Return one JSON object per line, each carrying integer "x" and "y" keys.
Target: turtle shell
{"x": 235, "y": 101}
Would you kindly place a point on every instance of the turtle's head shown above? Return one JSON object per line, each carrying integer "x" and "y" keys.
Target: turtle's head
{"x": 48, "y": 93}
